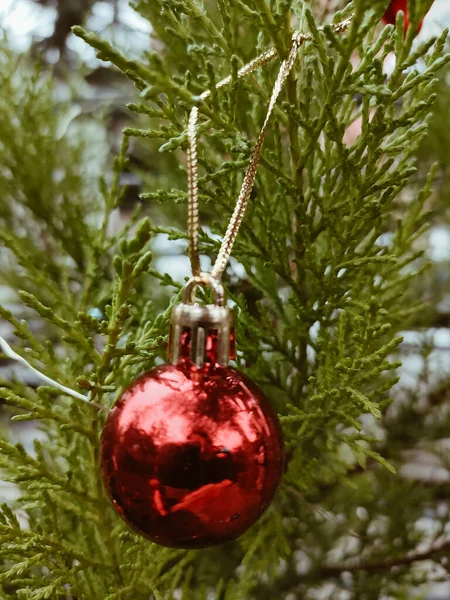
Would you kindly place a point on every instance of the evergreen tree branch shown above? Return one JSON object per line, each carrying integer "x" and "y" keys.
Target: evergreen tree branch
{"x": 369, "y": 566}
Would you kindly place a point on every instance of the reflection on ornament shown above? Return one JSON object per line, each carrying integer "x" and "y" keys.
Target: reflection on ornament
{"x": 192, "y": 457}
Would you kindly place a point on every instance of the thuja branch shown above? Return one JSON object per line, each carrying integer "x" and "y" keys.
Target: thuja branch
{"x": 383, "y": 565}
{"x": 333, "y": 571}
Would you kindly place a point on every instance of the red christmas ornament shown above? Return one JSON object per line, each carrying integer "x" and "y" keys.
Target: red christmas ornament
{"x": 192, "y": 452}
{"x": 391, "y": 13}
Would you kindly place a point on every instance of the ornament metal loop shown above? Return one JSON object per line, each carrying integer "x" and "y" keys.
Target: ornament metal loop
{"x": 206, "y": 280}
{"x": 204, "y": 334}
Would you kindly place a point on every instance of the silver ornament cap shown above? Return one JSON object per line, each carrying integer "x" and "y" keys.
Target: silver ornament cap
{"x": 202, "y": 334}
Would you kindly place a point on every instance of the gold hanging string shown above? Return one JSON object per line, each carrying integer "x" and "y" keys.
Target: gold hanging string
{"x": 267, "y": 56}
{"x": 193, "y": 210}
{"x": 250, "y": 175}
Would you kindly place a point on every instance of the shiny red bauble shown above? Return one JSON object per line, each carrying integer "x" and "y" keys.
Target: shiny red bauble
{"x": 191, "y": 457}
{"x": 394, "y": 7}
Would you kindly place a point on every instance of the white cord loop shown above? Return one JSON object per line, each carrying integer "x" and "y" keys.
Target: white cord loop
{"x": 9, "y": 352}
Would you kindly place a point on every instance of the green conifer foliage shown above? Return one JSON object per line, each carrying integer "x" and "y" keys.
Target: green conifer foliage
{"x": 331, "y": 247}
